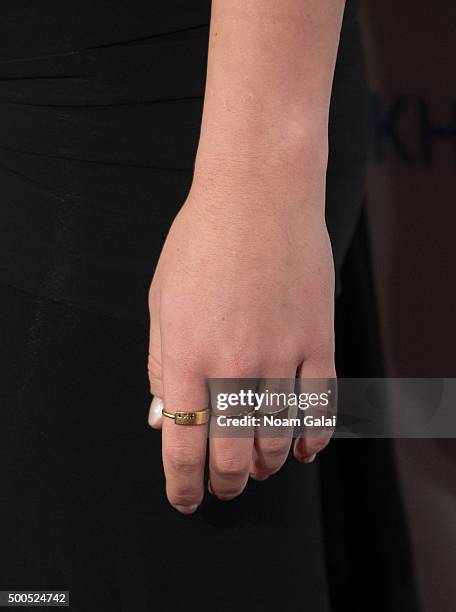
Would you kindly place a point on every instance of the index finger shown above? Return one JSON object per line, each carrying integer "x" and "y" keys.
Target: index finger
{"x": 184, "y": 446}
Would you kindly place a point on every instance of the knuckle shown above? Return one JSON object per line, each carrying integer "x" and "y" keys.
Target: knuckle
{"x": 246, "y": 369}
{"x": 230, "y": 467}
{"x": 183, "y": 459}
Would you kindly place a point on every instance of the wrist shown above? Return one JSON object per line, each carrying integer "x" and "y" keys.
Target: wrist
{"x": 288, "y": 181}
{"x": 275, "y": 144}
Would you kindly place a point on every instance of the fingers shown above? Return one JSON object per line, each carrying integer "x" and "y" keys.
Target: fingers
{"x": 321, "y": 374}
{"x": 229, "y": 466}
{"x": 270, "y": 453}
{"x": 229, "y": 456}
{"x": 183, "y": 447}
{"x": 232, "y": 460}
{"x": 269, "y": 456}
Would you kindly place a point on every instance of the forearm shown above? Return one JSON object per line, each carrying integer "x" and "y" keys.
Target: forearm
{"x": 269, "y": 79}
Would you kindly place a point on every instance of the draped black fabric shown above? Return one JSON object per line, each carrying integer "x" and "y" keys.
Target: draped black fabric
{"x": 83, "y": 505}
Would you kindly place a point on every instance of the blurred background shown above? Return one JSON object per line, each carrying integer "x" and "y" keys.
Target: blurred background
{"x": 389, "y": 506}
{"x": 410, "y": 50}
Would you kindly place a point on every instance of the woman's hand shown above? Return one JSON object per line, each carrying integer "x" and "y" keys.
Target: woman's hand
{"x": 244, "y": 285}
{"x": 241, "y": 290}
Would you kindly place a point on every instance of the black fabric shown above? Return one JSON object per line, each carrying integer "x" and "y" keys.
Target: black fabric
{"x": 100, "y": 112}
{"x": 82, "y": 494}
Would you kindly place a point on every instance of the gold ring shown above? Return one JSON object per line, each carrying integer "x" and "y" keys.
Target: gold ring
{"x": 272, "y": 413}
{"x": 200, "y": 417}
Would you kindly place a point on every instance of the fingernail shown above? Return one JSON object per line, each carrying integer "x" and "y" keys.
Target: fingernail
{"x": 187, "y": 509}
{"x": 309, "y": 459}
{"x": 209, "y": 488}
{"x": 155, "y": 412}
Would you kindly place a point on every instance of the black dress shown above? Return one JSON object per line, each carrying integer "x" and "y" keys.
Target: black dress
{"x": 100, "y": 110}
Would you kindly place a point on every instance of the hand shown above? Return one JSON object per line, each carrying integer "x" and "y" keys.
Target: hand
{"x": 243, "y": 288}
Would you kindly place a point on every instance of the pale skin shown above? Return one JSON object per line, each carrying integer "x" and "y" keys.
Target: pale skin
{"x": 244, "y": 286}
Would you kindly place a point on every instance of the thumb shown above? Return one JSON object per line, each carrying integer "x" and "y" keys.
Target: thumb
{"x": 154, "y": 366}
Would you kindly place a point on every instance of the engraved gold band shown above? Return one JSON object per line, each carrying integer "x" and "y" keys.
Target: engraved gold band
{"x": 200, "y": 417}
